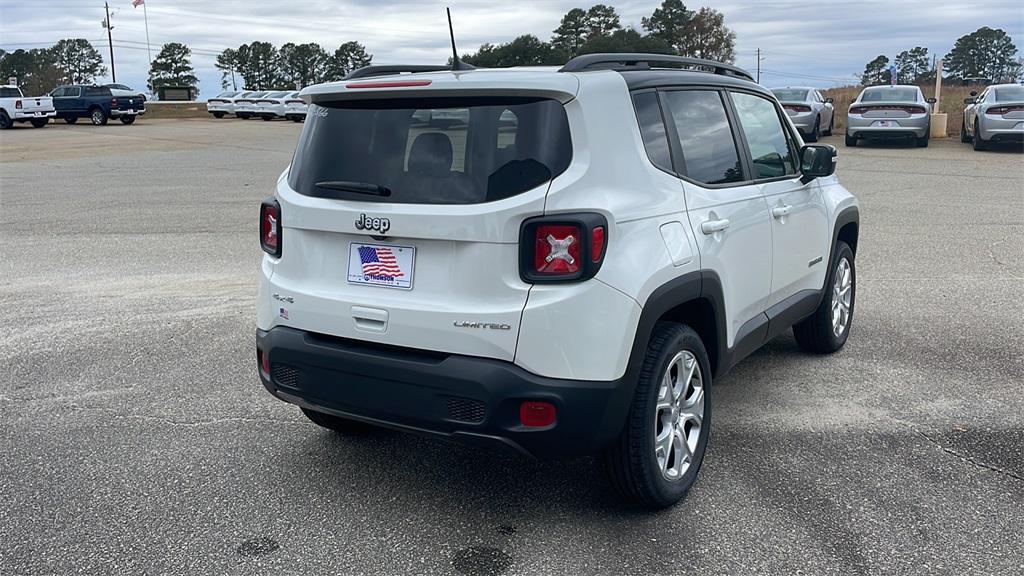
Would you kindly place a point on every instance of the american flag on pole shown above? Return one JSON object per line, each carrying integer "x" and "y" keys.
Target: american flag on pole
{"x": 137, "y": 3}
{"x": 379, "y": 262}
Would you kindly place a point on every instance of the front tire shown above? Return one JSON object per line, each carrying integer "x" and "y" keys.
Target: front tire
{"x": 831, "y": 125}
{"x": 332, "y": 422}
{"x": 268, "y": 118}
{"x": 850, "y": 142}
{"x": 98, "y": 117}
{"x": 963, "y": 133}
{"x": 658, "y": 454}
{"x": 812, "y": 136}
{"x": 218, "y": 114}
{"x": 826, "y": 331}
{"x": 70, "y": 119}
{"x": 5, "y": 121}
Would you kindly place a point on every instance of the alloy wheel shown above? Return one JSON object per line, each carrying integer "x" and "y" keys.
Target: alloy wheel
{"x": 679, "y": 414}
{"x": 842, "y": 297}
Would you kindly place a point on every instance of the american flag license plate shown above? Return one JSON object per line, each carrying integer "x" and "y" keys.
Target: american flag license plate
{"x": 381, "y": 265}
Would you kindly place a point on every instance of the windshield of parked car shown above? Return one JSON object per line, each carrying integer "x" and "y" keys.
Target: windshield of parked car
{"x": 889, "y": 94}
{"x": 276, "y": 95}
{"x": 226, "y": 94}
{"x": 1010, "y": 94}
{"x": 790, "y": 94}
{"x": 463, "y": 150}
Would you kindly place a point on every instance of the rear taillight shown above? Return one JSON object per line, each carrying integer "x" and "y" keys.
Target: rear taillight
{"x": 1001, "y": 110}
{"x": 270, "y": 227}
{"x": 562, "y": 248}
{"x": 797, "y": 108}
{"x": 17, "y": 104}
{"x": 113, "y": 102}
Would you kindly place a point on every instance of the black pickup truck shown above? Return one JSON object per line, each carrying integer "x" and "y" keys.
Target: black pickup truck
{"x": 96, "y": 103}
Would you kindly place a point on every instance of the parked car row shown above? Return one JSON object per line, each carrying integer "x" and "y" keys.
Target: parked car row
{"x": 267, "y": 105}
{"x": 70, "y": 103}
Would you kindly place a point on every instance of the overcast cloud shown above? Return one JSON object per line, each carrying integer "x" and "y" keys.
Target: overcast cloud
{"x": 816, "y": 42}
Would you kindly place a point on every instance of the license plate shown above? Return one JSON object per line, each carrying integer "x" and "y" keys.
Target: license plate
{"x": 381, "y": 265}
{"x": 883, "y": 123}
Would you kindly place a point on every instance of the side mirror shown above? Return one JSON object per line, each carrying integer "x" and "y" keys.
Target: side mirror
{"x": 931, "y": 100}
{"x": 817, "y": 161}
{"x": 974, "y": 92}
{"x": 969, "y": 101}
{"x": 829, "y": 101}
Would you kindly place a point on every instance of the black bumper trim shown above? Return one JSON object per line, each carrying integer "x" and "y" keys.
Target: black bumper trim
{"x": 409, "y": 390}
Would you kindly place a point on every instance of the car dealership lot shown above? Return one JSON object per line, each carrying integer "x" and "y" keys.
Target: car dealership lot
{"x": 136, "y": 437}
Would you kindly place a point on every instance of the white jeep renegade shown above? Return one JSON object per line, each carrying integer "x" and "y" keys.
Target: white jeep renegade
{"x": 552, "y": 261}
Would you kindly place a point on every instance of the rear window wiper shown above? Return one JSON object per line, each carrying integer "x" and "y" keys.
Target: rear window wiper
{"x": 356, "y": 187}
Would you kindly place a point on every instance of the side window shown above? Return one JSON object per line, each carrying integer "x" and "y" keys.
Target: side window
{"x": 770, "y": 150}
{"x": 709, "y": 149}
{"x": 652, "y": 129}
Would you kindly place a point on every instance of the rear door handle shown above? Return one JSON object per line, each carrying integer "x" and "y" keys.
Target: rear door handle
{"x": 712, "y": 226}
{"x": 781, "y": 211}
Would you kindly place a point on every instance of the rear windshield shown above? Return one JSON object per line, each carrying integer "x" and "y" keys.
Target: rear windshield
{"x": 226, "y": 94}
{"x": 790, "y": 94}
{"x": 10, "y": 93}
{"x": 431, "y": 150}
{"x": 1010, "y": 94}
{"x": 276, "y": 95}
{"x": 895, "y": 94}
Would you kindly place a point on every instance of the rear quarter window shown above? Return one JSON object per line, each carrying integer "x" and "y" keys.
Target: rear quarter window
{"x": 9, "y": 93}
{"x": 463, "y": 150}
{"x": 97, "y": 91}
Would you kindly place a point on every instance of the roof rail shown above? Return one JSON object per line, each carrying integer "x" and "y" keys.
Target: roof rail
{"x": 602, "y": 61}
{"x": 368, "y": 71}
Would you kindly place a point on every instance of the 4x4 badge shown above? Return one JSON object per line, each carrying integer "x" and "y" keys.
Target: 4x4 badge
{"x": 381, "y": 225}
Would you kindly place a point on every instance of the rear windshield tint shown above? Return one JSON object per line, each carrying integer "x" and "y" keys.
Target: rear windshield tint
{"x": 431, "y": 150}
{"x": 890, "y": 95}
{"x": 790, "y": 95}
{"x": 10, "y": 93}
{"x": 1010, "y": 94}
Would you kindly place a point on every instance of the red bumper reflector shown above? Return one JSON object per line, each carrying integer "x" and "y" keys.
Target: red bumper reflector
{"x": 391, "y": 84}
{"x": 264, "y": 361}
{"x": 597, "y": 244}
{"x": 537, "y": 414}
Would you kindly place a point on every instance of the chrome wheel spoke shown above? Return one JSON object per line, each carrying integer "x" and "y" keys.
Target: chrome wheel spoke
{"x": 679, "y": 414}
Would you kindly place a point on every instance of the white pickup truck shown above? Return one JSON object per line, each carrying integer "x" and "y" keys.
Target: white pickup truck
{"x": 15, "y": 107}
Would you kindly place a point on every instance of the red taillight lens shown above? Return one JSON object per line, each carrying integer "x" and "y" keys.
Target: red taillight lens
{"x": 597, "y": 244}
{"x": 796, "y": 108}
{"x": 113, "y": 102}
{"x": 1001, "y": 110}
{"x": 17, "y": 104}
{"x": 557, "y": 250}
{"x": 270, "y": 227}
{"x": 537, "y": 414}
{"x": 264, "y": 361}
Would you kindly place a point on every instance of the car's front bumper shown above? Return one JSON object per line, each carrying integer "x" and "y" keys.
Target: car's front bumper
{"x": 465, "y": 399}
{"x": 860, "y": 127}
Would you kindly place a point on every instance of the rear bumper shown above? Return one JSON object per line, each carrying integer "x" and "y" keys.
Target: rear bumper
{"x": 1001, "y": 130}
{"x": 463, "y": 399}
{"x": 20, "y": 115}
{"x": 804, "y": 122}
{"x": 118, "y": 113}
{"x": 858, "y": 127}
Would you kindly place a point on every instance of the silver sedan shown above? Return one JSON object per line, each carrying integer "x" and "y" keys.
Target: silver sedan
{"x": 890, "y": 112}
{"x": 995, "y": 115}
{"x": 809, "y": 111}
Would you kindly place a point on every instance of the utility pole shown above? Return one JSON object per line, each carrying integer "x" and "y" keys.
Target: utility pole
{"x": 110, "y": 42}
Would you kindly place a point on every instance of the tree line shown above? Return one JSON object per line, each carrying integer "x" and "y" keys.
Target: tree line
{"x": 39, "y": 70}
{"x": 671, "y": 29}
{"x": 262, "y": 66}
{"x": 986, "y": 53}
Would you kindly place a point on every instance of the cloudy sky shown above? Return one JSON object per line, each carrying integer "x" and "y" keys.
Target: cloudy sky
{"x": 816, "y": 42}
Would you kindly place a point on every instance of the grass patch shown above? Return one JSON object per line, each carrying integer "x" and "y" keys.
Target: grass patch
{"x": 176, "y": 110}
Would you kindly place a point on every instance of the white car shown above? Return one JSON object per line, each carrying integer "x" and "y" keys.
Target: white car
{"x": 245, "y": 104}
{"x": 569, "y": 282}
{"x": 222, "y": 104}
{"x": 123, "y": 90}
{"x": 271, "y": 105}
{"x": 812, "y": 113}
{"x": 995, "y": 116}
{"x": 15, "y": 107}
{"x": 295, "y": 108}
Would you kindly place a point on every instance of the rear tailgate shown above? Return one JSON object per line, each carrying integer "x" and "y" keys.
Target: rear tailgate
{"x": 130, "y": 104}
{"x": 435, "y": 265}
{"x": 33, "y": 104}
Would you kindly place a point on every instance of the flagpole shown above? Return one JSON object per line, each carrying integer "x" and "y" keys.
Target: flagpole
{"x": 145, "y": 16}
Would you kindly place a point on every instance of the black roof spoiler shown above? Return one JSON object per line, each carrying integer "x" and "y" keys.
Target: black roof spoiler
{"x": 626, "y": 60}
{"x": 370, "y": 71}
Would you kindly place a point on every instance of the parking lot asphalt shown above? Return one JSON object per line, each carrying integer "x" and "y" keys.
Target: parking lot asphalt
{"x": 135, "y": 437}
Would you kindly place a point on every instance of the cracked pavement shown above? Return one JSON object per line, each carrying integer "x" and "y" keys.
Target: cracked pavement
{"x": 136, "y": 439}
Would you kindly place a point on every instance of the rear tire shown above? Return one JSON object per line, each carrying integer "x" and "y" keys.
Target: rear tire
{"x": 128, "y": 119}
{"x": 923, "y": 142}
{"x": 98, "y": 117}
{"x": 243, "y": 116}
{"x": 823, "y": 332}
{"x": 5, "y": 121}
{"x": 851, "y": 142}
{"x": 332, "y": 422}
{"x": 979, "y": 142}
{"x": 70, "y": 119}
{"x": 658, "y": 454}
{"x": 268, "y": 118}
{"x": 39, "y": 122}
{"x": 218, "y": 114}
